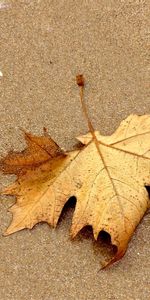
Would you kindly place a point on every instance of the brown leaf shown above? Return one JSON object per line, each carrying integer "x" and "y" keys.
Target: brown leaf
{"x": 38, "y": 151}
{"x": 109, "y": 184}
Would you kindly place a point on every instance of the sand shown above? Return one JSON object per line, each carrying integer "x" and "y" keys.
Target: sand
{"x": 43, "y": 45}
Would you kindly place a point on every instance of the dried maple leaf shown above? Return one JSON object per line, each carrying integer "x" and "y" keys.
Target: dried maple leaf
{"x": 108, "y": 176}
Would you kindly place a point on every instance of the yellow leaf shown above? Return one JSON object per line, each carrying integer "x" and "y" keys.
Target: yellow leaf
{"x": 109, "y": 183}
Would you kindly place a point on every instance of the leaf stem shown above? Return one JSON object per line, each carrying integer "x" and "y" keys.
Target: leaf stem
{"x": 80, "y": 83}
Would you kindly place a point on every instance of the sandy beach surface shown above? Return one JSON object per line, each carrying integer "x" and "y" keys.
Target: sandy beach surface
{"x": 43, "y": 45}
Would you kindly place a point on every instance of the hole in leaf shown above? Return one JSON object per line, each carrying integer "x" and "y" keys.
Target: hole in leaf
{"x": 86, "y": 233}
{"x": 104, "y": 237}
{"x": 104, "y": 243}
{"x": 148, "y": 190}
{"x": 103, "y": 248}
{"x": 68, "y": 208}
